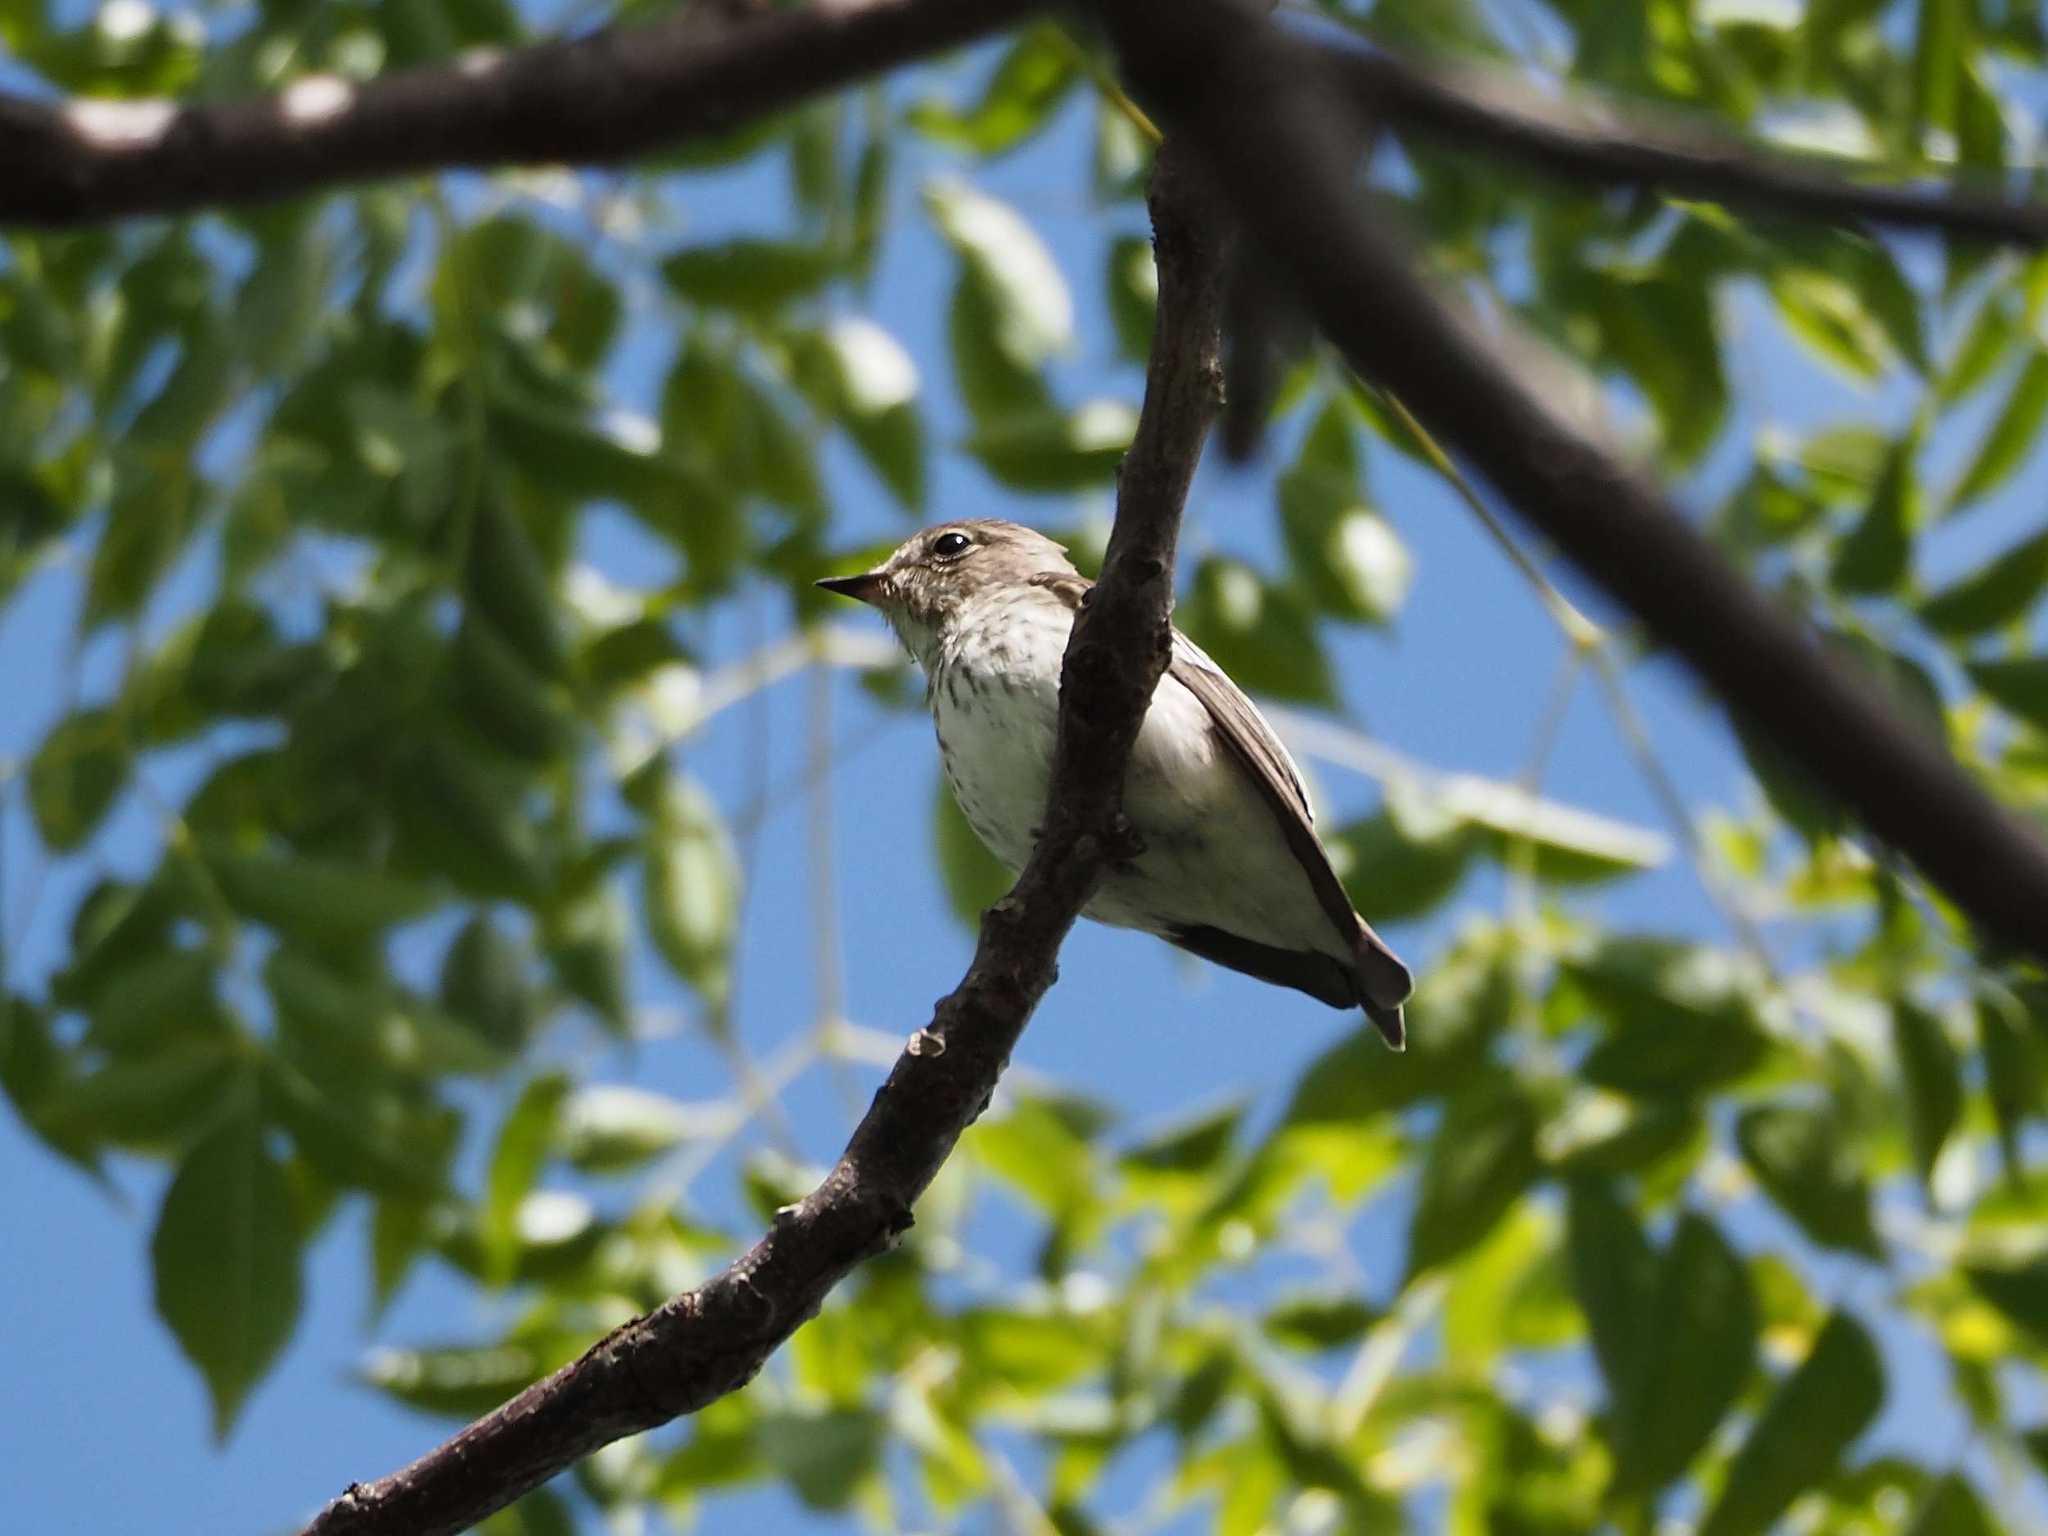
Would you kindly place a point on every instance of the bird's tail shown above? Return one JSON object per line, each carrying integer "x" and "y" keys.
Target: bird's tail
{"x": 1383, "y": 986}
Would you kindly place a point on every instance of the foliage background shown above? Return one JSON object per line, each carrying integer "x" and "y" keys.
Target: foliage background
{"x": 365, "y": 560}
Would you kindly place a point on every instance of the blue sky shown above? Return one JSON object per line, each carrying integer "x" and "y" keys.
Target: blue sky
{"x": 104, "y": 1424}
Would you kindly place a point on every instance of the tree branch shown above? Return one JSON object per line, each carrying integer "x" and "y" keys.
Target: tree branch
{"x": 634, "y": 90}
{"x": 705, "y": 1343}
{"x": 1273, "y": 123}
{"x": 619, "y": 93}
{"x": 1609, "y": 145}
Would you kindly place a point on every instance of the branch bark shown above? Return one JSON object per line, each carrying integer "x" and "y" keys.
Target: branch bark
{"x": 1609, "y": 145}
{"x": 1270, "y": 117}
{"x": 705, "y": 1343}
{"x": 621, "y": 92}
{"x": 635, "y": 90}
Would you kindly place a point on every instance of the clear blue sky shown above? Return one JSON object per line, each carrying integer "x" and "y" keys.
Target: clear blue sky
{"x": 103, "y": 1424}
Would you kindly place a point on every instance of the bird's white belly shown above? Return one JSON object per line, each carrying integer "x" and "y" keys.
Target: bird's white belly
{"x": 1213, "y": 856}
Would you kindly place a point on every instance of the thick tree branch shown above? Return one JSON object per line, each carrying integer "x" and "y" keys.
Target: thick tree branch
{"x": 1268, "y": 114}
{"x": 710, "y": 1341}
{"x": 1610, "y": 145}
{"x": 622, "y": 92}
{"x": 634, "y": 90}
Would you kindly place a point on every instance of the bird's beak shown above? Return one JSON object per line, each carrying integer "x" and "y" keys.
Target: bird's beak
{"x": 865, "y": 588}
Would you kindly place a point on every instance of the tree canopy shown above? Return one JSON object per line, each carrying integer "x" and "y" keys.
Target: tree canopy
{"x": 406, "y": 541}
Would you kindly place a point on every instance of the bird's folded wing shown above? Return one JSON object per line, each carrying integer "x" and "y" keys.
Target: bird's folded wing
{"x": 1382, "y": 978}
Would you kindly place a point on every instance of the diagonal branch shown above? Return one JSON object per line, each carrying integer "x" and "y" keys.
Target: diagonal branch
{"x": 705, "y": 1343}
{"x": 1578, "y": 139}
{"x": 1270, "y": 119}
{"x": 618, "y": 93}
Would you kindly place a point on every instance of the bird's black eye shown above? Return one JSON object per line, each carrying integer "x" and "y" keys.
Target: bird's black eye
{"x": 947, "y": 545}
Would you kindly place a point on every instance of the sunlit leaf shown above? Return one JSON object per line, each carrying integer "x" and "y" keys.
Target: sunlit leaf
{"x": 2011, "y": 438}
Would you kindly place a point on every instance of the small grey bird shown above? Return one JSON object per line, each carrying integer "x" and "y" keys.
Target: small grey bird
{"x": 1230, "y": 869}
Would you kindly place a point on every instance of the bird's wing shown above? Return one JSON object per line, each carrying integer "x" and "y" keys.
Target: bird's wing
{"x": 1383, "y": 979}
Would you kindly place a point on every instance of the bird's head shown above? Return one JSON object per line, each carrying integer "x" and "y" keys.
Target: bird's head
{"x": 933, "y": 575}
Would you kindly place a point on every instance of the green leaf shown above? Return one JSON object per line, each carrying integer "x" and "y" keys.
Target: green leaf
{"x": 1056, "y": 452}
{"x": 875, "y": 387}
{"x": 692, "y": 887}
{"x": 611, "y": 1128}
{"x": 1317, "y": 1322}
{"x": 149, "y": 1101}
{"x": 1931, "y": 1075}
{"x": 1814, "y": 1416}
{"x": 1407, "y": 857}
{"x": 1031, "y": 79}
{"x": 76, "y": 776}
{"x": 1938, "y": 51}
{"x": 1951, "y": 1508}
{"x": 753, "y": 276}
{"x": 457, "y": 1381}
{"x": 2013, "y": 1072}
{"x": 226, "y": 1256}
{"x": 1132, "y": 281}
{"x": 1874, "y": 555}
{"x": 2009, "y": 440}
{"x": 324, "y": 905}
{"x": 1262, "y": 635}
{"x": 1481, "y": 1159}
{"x": 529, "y": 1134}
{"x": 1613, "y": 1272}
{"x": 824, "y": 1456}
{"x": 509, "y": 580}
{"x": 2019, "y": 686}
{"x": 1827, "y": 314}
{"x": 2020, "y": 1291}
{"x": 1996, "y": 594}
{"x": 1679, "y": 1019}
{"x": 1348, "y": 559}
{"x": 485, "y": 983}
{"x": 1803, "y": 1160}
{"x": 153, "y": 513}
{"x": 973, "y": 878}
{"x": 1033, "y": 313}
{"x": 1692, "y": 1358}
{"x": 1983, "y": 347}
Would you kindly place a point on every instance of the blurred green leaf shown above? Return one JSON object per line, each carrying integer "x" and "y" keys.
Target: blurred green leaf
{"x": 76, "y": 776}
{"x": 1994, "y": 595}
{"x": 456, "y": 1381}
{"x": 825, "y": 1456}
{"x": 322, "y": 904}
{"x": 1028, "y": 84}
{"x": 1679, "y": 1019}
{"x": 692, "y": 895}
{"x": 1951, "y": 1508}
{"x": 530, "y": 1131}
{"x": 1261, "y": 634}
{"x": 226, "y": 1255}
{"x": 2010, "y": 439}
{"x": 1481, "y": 1159}
{"x": 1693, "y": 1356}
{"x": 1814, "y": 1416}
{"x": 1056, "y": 452}
{"x": 1806, "y": 1163}
{"x": 751, "y": 275}
{"x": 1874, "y": 555}
{"x": 1932, "y": 1078}
{"x": 1614, "y": 1276}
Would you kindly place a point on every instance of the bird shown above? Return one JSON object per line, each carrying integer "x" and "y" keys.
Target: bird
{"x": 1229, "y": 866}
